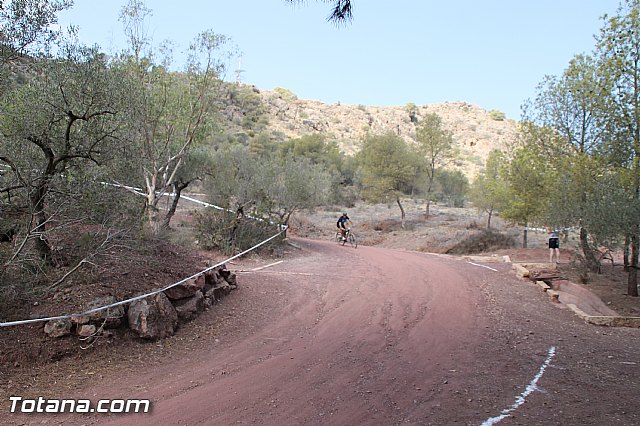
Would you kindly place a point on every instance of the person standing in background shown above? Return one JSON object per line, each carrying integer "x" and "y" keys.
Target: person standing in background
{"x": 554, "y": 246}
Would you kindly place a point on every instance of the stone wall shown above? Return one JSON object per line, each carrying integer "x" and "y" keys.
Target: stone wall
{"x": 154, "y": 317}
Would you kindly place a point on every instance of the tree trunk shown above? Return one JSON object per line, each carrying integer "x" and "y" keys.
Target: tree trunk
{"x": 177, "y": 191}
{"x": 632, "y": 282}
{"x": 590, "y": 259}
{"x": 524, "y": 237}
{"x": 489, "y": 219}
{"x": 428, "y": 209}
{"x": 627, "y": 243}
{"x": 402, "y": 210}
{"x": 37, "y": 199}
{"x": 153, "y": 222}
{"x": 153, "y": 219}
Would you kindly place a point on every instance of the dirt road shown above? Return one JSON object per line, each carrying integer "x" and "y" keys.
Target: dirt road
{"x": 381, "y": 337}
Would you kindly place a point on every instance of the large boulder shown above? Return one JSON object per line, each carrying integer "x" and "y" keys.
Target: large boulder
{"x": 186, "y": 289}
{"x": 153, "y": 317}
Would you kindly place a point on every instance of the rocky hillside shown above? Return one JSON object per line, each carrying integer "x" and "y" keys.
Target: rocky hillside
{"x": 475, "y": 131}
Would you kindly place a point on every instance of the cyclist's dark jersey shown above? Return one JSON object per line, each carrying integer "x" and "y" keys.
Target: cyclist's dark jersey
{"x": 342, "y": 220}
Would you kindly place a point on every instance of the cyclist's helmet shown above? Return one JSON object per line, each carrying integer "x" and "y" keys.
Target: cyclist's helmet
{"x": 344, "y": 213}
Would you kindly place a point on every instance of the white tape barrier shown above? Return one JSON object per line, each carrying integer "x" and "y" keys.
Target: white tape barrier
{"x": 545, "y": 230}
{"x": 124, "y": 302}
{"x": 138, "y": 191}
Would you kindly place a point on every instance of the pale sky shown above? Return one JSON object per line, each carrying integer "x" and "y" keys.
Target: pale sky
{"x": 490, "y": 53}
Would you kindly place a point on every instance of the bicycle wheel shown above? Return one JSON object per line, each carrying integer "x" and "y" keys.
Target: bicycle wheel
{"x": 353, "y": 241}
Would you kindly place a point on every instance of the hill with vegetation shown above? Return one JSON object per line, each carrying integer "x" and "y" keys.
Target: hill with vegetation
{"x": 283, "y": 115}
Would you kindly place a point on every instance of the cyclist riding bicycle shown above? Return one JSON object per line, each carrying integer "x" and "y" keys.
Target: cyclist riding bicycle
{"x": 342, "y": 225}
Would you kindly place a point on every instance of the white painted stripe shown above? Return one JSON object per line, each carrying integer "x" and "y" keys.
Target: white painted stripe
{"x": 531, "y": 387}
{"x": 483, "y": 266}
{"x": 268, "y": 266}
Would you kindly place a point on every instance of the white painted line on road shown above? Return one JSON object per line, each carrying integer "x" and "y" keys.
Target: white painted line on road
{"x": 276, "y": 272}
{"x": 483, "y": 266}
{"x": 531, "y": 387}
{"x": 268, "y": 266}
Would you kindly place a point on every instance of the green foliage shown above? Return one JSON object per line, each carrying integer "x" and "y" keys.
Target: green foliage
{"x": 27, "y": 26}
{"x": 285, "y": 94}
{"x": 245, "y": 108}
{"x": 497, "y": 115}
{"x": 485, "y": 240}
{"x": 272, "y": 187}
{"x": 489, "y": 191}
{"x": 229, "y": 233}
{"x": 436, "y": 147}
{"x": 169, "y": 113}
{"x": 58, "y": 140}
{"x": 587, "y": 123}
{"x": 315, "y": 148}
{"x": 454, "y": 186}
{"x": 528, "y": 175}
{"x": 262, "y": 144}
{"x": 292, "y": 183}
{"x": 387, "y": 166}
{"x": 318, "y": 150}
{"x": 412, "y": 110}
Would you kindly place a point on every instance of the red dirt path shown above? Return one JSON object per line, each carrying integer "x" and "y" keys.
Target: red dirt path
{"x": 375, "y": 336}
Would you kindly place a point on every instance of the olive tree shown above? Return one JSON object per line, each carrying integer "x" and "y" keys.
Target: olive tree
{"x": 291, "y": 184}
{"x": 170, "y": 112}
{"x": 489, "y": 189}
{"x": 618, "y": 56}
{"x": 387, "y": 166}
{"x": 562, "y": 122}
{"x": 59, "y": 127}
{"x": 436, "y": 146}
{"x": 27, "y": 26}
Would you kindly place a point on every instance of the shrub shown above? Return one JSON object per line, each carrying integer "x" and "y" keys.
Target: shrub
{"x": 222, "y": 230}
{"x": 497, "y": 115}
{"x": 285, "y": 94}
{"x": 483, "y": 241}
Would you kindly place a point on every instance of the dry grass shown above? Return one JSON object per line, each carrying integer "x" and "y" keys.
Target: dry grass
{"x": 380, "y": 224}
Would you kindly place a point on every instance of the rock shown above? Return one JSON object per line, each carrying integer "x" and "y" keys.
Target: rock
{"x": 219, "y": 291}
{"x": 86, "y": 330}
{"x": 212, "y": 278}
{"x": 113, "y": 316}
{"x": 80, "y": 320}
{"x": 229, "y": 277}
{"x": 208, "y": 302}
{"x": 58, "y": 328}
{"x": 153, "y": 317}
{"x": 186, "y": 289}
{"x": 188, "y": 309}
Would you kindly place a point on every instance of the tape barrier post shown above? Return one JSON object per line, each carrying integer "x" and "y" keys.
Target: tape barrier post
{"x": 142, "y": 296}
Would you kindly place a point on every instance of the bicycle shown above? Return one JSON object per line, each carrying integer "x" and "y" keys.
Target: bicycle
{"x": 348, "y": 236}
